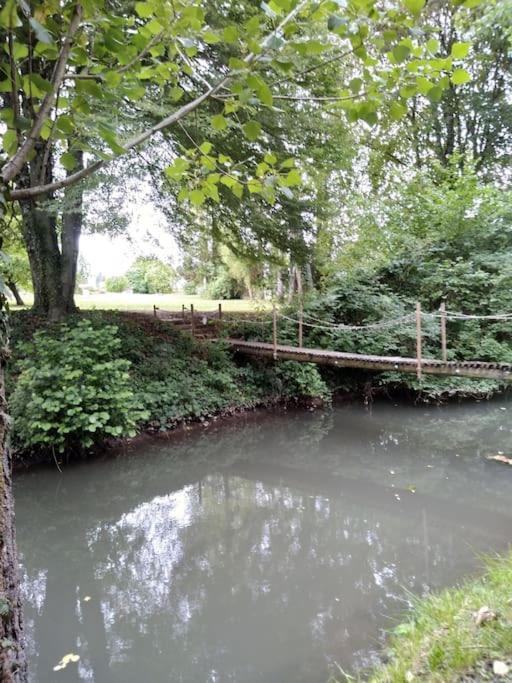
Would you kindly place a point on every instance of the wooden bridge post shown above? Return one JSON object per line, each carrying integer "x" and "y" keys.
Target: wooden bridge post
{"x": 418, "y": 339}
{"x": 301, "y": 314}
{"x": 183, "y": 315}
{"x": 274, "y": 331}
{"x": 220, "y": 311}
{"x": 192, "y": 323}
{"x": 155, "y": 309}
{"x": 443, "y": 332}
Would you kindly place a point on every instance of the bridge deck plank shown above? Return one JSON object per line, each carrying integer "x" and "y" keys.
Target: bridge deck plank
{"x": 475, "y": 369}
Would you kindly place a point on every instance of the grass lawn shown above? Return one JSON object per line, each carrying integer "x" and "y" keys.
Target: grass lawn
{"x": 166, "y": 302}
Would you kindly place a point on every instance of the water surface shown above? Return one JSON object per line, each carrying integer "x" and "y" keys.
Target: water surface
{"x": 268, "y": 549}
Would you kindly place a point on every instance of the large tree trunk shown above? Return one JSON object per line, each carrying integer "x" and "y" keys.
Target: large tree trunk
{"x": 53, "y": 262}
{"x": 13, "y": 666}
{"x": 41, "y": 241}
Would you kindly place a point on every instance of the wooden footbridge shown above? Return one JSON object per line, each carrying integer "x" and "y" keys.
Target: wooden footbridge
{"x": 207, "y": 325}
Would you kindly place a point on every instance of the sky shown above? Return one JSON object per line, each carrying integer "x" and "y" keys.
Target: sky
{"x": 147, "y": 235}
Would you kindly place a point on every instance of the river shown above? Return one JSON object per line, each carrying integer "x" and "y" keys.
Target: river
{"x": 270, "y": 548}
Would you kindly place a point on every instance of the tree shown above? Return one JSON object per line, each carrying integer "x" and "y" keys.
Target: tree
{"x": 67, "y": 67}
{"x": 149, "y": 275}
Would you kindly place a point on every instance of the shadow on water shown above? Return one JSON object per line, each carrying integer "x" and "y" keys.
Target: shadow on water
{"x": 265, "y": 550}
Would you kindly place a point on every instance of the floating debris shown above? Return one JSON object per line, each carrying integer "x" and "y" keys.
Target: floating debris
{"x": 67, "y": 659}
{"x": 500, "y": 458}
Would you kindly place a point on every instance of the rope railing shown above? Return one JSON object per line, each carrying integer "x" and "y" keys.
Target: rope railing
{"x": 314, "y": 322}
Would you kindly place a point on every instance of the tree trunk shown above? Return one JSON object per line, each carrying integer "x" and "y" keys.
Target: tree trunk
{"x": 13, "y": 666}
{"x": 53, "y": 271}
{"x": 15, "y": 292}
{"x": 72, "y": 218}
{"x": 41, "y": 241}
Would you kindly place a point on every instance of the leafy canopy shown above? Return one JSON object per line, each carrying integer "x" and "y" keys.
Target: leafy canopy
{"x": 85, "y": 70}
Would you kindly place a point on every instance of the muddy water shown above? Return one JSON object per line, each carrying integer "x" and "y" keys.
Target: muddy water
{"x": 270, "y": 549}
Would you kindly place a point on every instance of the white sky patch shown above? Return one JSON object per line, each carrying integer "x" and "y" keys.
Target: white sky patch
{"x": 148, "y": 235}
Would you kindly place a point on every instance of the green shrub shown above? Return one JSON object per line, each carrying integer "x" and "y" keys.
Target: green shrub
{"x": 73, "y": 390}
{"x": 116, "y": 284}
{"x": 224, "y": 287}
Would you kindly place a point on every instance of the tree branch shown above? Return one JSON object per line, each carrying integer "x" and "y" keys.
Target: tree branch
{"x": 35, "y": 191}
{"x": 15, "y": 164}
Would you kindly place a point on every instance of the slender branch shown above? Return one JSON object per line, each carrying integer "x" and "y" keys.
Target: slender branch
{"x": 14, "y": 165}
{"x": 35, "y": 191}
{"x": 316, "y": 67}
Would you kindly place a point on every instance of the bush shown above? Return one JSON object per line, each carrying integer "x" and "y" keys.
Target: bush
{"x": 73, "y": 390}
{"x": 118, "y": 283}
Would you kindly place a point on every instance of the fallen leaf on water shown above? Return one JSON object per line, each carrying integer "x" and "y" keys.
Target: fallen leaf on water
{"x": 87, "y": 598}
{"x": 500, "y": 458}
{"x": 500, "y": 668}
{"x": 484, "y": 615}
{"x": 67, "y": 659}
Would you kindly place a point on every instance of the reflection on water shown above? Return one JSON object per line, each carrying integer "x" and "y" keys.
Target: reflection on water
{"x": 264, "y": 550}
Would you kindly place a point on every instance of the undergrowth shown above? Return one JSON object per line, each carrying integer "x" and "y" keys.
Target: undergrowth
{"x": 157, "y": 374}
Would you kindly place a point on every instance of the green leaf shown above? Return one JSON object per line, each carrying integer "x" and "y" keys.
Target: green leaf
{"x": 460, "y": 50}
{"x": 435, "y": 94}
{"x": 414, "y": 6}
{"x": 10, "y": 142}
{"x": 252, "y": 130}
{"x": 178, "y": 169}
{"x": 292, "y": 178}
{"x": 144, "y": 9}
{"x": 68, "y": 161}
{"x": 197, "y": 197}
{"x": 19, "y": 50}
{"x": 433, "y": 45}
{"x": 219, "y": 122}
{"x": 9, "y": 16}
{"x": 230, "y": 34}
{"x": 206, "y": 147}
{"x": 112, "y": 78}
{"x": 460, "y": 76}
{"x": 397, "y": 111}
{"x": 401, "y": 52}
{"x": 65, "y": 124}
{"x": 211, "y": 38}
{"x": 111, "y": 139}
{"x": 254, "y": 186}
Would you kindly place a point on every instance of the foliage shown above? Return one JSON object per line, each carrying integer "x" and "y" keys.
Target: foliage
{"x": 149, "y": 275}
{"x": 117, "y": 284}
{"x": 64, "y": 373}
{"x": 224, "y": 286}
{"x": 441, "y": 643}
{"x": 72, "y": 389}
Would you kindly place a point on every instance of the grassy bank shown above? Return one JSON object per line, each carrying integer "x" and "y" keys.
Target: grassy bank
{"x": 113, "y": 374}
{"x": 458, "y": 635}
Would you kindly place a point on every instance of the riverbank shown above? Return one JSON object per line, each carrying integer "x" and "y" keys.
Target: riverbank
{"x": 459, "y": 635}
{"x": 107, "y": 375}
